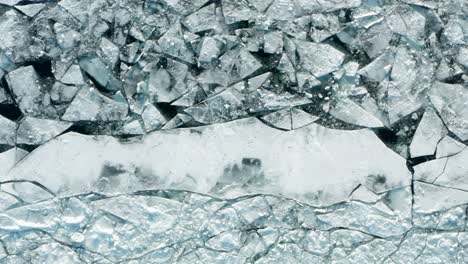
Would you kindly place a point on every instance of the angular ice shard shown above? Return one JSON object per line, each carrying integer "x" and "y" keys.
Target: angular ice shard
{"x": 186, "y": 6}
{"x": 26, "y": 88}
{"x": 410, "y": 76}
{"x": 448, "y": 146}
{"x": 429, "y": 171}
{"x": 285, "y": 66}
{"x": 430, "y": 198}
{"x": 273, "y": 42}
{"x": 7, "y": 131}
{"x": 462, "y": 57}
{"x": 211, "y": 49}
{"x": 35, "y": 131}
{"x": 73, "y": 76}
{"x": 152, "y": 118}
{"x": 222, "y": 107}
{"x": 31, "y": 9}
{"x": 261, "y": 5}
{"x": 363, "y": 194}
{"x": 349, "y": 111}
{"x": 306, "y": 80}
{"x": 62, "y": 93}
{"x": 333, "y": 5}
{"x": 202, "y": 20}
{"x": 264, "y": 100}
{"x": 287, "y": 158}
{"x": 237, "y": 11}
{"x": 453, "y": 32}
{"x": 300, "y": 118}
{"x": 192, "y": 97}
{"x": 451, "y": 102}
{"x": 455, "y": 170}
{"x": 430, "y": 131}
{"x": 319, "y": 59}
{"x": 237, "y": 102}
{"x": 3, "y": 96}
{"x": 14, "y": 32}
{"x": 399, "y": 17}
{"x": 9, "y": 158}
{"x": 160, "y": 86}
{"x": 283, "y": 10}
{"x": 96, "y": 68}
{"x": 280, "y": 119}
{"x": 177, "y": 121}
{"x": 109, "y": 52}
{"x": 324, "y": 26}
{"x": 132, "y": 127}
{"x": 241, "y": 65}
{"x": 67, "y": 38}
{"x": 173, "y": 44}
{"x": 379, "y": 68}
{"x": 90, "y": 105}
{"x": 289, "y": 119}
{"x": 258, "y": 81}
{"x": 10, "y": 2}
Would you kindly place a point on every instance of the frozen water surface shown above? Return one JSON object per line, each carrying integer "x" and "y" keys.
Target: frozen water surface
{"x": 233, "y": 131}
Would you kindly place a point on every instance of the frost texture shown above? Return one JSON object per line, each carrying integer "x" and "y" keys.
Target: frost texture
{"x": 233, "y": 131}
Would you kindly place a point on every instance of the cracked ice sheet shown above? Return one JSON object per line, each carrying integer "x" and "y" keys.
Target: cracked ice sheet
{"x": 165, "y": 227}
{"x": 300, "y": 163}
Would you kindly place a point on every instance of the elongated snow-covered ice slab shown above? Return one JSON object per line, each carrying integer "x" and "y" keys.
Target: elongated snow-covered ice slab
{"x": 245, "y": 156}
{"x": 451, "y": 101}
